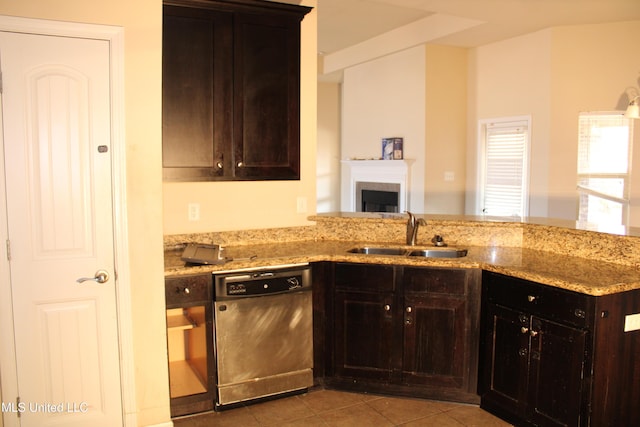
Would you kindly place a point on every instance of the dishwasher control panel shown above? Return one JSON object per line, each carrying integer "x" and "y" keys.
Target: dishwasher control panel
{"x": 254, "y": 283}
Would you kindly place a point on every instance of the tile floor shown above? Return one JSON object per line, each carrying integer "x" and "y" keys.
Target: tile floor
{"x": 336, "y": 408}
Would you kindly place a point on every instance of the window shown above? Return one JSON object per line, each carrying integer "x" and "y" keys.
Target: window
{"x": 604, "y": 153}
{"x": 504, "y": 167}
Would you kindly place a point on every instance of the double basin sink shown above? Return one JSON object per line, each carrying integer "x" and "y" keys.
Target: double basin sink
{"x": 441, "y": 252}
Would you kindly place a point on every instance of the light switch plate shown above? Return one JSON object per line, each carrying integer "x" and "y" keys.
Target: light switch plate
{"x": 632, "y": 322}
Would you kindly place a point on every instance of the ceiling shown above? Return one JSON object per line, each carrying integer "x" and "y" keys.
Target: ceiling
{"x": 344, "y": 23}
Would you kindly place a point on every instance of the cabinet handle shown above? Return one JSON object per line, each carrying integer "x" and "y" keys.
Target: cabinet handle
{"x": 240, "y": 164}
{"x": 219, "y": 165}
{"x": 387, "y": 307}
{"x": 531, "y": 298}
{"x": 409, "y": 309}
{"x": 524, "y": 329}
{"x": 533, "y": 333}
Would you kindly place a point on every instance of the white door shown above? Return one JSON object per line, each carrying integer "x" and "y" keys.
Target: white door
{"x": 56, "y": 138}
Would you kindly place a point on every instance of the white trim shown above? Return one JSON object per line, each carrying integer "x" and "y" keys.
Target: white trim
{"x": 115, "y": 37}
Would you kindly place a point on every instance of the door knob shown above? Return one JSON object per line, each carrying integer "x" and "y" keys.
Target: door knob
{"x": 101, "y": 277}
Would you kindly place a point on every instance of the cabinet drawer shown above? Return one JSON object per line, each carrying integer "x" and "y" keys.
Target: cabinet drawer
{"x": 435, "y": 280}
{"x": 552, "y": 303}
{"x": 364, "y": 277}
{"x": 187, "y": 289}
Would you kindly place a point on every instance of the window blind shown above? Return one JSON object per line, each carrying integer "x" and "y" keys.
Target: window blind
{"x": 505, "y": 172}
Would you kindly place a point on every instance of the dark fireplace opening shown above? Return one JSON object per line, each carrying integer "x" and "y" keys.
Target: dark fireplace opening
{"x": 377, "y": 197}
{"x": 379, "y": 201}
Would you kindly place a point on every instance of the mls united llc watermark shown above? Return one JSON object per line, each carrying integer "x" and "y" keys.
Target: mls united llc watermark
{"x": 46, "y": 407}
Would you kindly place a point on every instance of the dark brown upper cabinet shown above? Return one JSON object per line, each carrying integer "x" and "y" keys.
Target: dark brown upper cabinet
{"x": 231, "y": 90}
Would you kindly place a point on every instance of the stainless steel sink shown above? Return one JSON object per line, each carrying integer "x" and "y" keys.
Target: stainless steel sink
{"x": 440, "y": 253}
{"x": 378, "y": 251}
{"x": 425, "y": 253}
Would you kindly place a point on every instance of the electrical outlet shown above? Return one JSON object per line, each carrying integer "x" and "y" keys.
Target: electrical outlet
{"x": 449, "y": 176}
{"x": 194, "y": 211}
{"x": 632, "y": 322}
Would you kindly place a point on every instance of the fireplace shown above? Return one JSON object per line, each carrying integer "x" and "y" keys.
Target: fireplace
{"x": 377, "y": 197}
{"x": 375, "y": 185}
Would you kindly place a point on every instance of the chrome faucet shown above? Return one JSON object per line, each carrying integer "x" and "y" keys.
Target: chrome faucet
{"x": 412, "y": 228}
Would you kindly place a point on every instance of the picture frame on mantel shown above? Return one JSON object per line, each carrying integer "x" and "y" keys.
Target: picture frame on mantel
{"x": 392, "y": 148}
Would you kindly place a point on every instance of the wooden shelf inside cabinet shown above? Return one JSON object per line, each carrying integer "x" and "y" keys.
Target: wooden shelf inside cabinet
{"x": 181, "y": 322}
{"x": 184, "y": 379}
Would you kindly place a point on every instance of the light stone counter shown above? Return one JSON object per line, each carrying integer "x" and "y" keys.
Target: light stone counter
{"x": 589, "y": 262}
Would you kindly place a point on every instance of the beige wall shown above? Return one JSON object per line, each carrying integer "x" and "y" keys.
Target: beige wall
{"x": 142, "y": 23}
{"x": 592, "y": 65}
{"x": 510, "y": 79}
{"x": 445, "y": 128}
{"x": 553, "y": 75}
{"x": 243, "y": 205}
{"x": 328, "y": 153}
{"x": 385, "y": 98}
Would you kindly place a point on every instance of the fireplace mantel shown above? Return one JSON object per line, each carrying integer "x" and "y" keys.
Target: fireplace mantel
{"x": 380, "y": 171}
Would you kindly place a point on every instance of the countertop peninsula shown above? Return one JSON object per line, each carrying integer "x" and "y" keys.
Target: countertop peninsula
{"x": 583, "y": 261}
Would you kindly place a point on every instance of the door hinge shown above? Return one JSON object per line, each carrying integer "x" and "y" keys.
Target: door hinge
{"x": 8, "y": 250}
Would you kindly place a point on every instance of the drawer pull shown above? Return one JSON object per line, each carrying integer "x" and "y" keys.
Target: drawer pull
{"x": 387, "y": 307}
{"x": 533, "y": 333}
{"x": 531, "y": 298}
{"x": 524, "y": 329}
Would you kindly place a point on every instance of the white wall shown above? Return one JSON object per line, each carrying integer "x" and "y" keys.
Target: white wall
{"x": 386, "y": 98}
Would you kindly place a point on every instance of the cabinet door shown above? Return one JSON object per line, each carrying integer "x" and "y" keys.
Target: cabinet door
{"x": 363, "y": 334}
{"x": 556, "y": 370}
{"x": 503, "y": 377}
{"x": 196, "y": 93}
{"x": 435, "y": 346}
{"x": 441, "y": 314}
{"x": 363, "y": 314}
{"x": 267, "y": 97}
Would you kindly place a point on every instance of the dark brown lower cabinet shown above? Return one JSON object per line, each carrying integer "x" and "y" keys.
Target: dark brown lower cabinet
{"x": 190, "y": 343}
{"x": 551, "y": 357}
{"x": 404, "y": 330}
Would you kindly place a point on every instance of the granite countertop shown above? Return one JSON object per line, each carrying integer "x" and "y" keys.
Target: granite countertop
{"x": 559, "y": 270}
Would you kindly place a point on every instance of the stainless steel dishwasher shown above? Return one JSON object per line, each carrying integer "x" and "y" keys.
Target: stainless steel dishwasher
{"x": 263, "y": 332}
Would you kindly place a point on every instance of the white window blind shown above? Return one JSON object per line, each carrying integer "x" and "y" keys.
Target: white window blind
{"x": 505, "y": 175}
{"x": 604, "y": 153}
